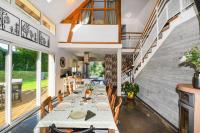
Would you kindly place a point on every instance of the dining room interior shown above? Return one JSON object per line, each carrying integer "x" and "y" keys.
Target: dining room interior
{"x": 99, "y": 66}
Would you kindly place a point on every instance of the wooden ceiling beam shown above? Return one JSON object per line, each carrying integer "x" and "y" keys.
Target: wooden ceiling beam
{"x": 75, "y": 13}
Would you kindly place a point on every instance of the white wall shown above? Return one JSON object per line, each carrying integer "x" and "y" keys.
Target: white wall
{"x": 135, "y": 13}
{"x": 62, "y": 32}
{"x": 95, "y": 33}
{"x": 68, "y": 57}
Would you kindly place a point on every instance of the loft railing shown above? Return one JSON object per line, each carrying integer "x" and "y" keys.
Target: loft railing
{"x": 164, "y": 11}
{"x": 130, "y": 39}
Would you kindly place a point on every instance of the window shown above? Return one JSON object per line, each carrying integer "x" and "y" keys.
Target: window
{"x": 29, "y": 9}
{"x": 100, "y": 12}
{"x": 48, "y": 24}
{"x": 8, "y": 1}
{"x": 23, "y": 81}
{"x": 96, "y": 69}
{"x": 32, "y": 11}
{"x": 3, "y": 52}
{"x": 44, "y": 79}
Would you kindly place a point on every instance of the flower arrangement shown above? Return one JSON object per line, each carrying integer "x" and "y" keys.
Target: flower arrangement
{"x": 192, "y": 58}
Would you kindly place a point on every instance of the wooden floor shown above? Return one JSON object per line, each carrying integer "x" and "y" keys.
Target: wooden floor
{"x": 135, "y": 117}
{"x": 20, "y": 107}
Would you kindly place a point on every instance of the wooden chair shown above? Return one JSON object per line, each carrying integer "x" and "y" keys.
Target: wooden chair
{"x": 59, "y": 97}
{"x": 70, "y": 88}
{"x": 109, "y": 92}
{"x": 117, "y": 111}
{"x": 112, "y": 103}
{"x": 54, "y": 129}
{"x": 47, "y": 103}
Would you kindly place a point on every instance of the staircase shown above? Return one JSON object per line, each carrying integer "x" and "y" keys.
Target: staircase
{"x": 127, "y": 68}
{"x": 166, "y": 16}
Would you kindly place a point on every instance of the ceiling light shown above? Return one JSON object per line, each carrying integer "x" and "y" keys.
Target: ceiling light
{"x": 128, "y": 15}
{"x": 49, "y": 1}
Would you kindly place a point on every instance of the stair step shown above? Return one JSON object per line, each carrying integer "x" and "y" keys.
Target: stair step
{"x": 146, "y": 56}
{"x": 167, "y": 26}
{"x": 173, "y": 18}
{"x": 160, "y": 35}
{"x": 150, "y": 51}
{"x": 154, "y": 45}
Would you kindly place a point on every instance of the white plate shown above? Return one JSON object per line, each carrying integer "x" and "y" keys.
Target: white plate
{"x": 78, "y": 114}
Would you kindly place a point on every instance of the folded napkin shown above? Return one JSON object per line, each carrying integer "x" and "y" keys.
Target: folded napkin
{"x": 89, "y": 115}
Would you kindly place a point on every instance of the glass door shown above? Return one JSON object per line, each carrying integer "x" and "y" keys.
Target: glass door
{"x": 3, "y": 53}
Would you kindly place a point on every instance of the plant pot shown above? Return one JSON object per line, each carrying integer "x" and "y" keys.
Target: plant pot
{"x": 196, "y": 80}
{"x": 131, "y": 95}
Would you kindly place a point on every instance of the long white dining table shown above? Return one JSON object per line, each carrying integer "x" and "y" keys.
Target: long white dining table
{"x": 99, "y": 104}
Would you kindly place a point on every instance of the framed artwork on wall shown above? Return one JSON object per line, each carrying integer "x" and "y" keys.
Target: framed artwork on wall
{"x": 62, "y": 62}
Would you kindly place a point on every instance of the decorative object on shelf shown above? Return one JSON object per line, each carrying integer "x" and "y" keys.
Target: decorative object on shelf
{"x": 44, "y": 39}
{"x": 62, "y": 62}
{"x": 29, "y": 32}
{"x": 9, "y": 22}
{"x": 130, "y": 89}
{"x": 191, "y": 58}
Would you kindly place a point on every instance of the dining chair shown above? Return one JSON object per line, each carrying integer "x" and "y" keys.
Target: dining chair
{"x": 117, "y": 111}
{"x": 70, "y": 88}
{"x": 47, "y": 103}
{"x": 54, "y": 129}
{"x": 110, "y": 88}
{"x": 59, "y": 97}
{"x": 112, "y": 103}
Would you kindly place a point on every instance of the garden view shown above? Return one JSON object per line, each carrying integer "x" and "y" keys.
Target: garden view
{"x": 24, "y": 80}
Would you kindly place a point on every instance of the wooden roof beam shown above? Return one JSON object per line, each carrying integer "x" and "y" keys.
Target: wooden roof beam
{"x": 70, "y": 18}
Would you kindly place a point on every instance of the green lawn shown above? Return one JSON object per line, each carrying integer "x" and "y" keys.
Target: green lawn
{"x": 29, "y": 79}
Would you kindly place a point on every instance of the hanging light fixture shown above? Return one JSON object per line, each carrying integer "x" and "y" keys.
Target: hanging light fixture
{"x": 86, "y": 57}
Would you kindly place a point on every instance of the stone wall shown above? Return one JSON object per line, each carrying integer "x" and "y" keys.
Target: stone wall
{"x": 160, "y": 76}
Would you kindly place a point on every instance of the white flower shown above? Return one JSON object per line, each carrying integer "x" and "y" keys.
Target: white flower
{"x": 183, "y": 59}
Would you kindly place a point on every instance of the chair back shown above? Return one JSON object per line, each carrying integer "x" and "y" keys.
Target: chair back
{"x": 46, "y": 107}
{"x": 117, "y": 111}
{"x": 109, "y": 92}
{"x": 112, "y": 103}
{"x": 54, "y": 129}
{"x": 59, "y": 97}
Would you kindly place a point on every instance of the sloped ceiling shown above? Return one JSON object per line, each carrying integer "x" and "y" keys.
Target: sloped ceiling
{"x": 135, "y": 13}
{"x": 56, "y": 10}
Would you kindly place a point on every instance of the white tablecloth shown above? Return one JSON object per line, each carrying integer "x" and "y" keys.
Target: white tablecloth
{"x": 103, "y": 119}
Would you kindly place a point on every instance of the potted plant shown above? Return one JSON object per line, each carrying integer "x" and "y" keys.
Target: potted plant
{"x": 130, "y": 89}
{"x": 191, "y": 58}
